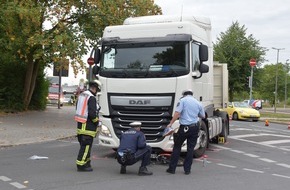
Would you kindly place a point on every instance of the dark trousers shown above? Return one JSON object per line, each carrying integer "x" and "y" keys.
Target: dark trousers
{"x": 191, "y": 136}
{"x": 86, "y": 142}
{"x": 142, "y": 154}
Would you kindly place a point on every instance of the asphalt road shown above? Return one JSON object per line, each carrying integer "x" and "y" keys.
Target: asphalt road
{"x": 255, "y": 157}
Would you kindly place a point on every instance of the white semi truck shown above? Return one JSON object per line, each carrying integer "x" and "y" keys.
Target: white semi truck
{"x": 145, "y": 64}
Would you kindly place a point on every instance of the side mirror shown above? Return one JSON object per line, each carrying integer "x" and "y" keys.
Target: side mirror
{"x": 95, "y": 69}
{"x": 203, "y": 53}
{"x": 203, "y": 68}
{"x": 97, "y": 56}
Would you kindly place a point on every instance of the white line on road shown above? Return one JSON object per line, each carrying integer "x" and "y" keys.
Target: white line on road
{"x": 18, "y": 185}
{"x": 4, "y": 178}
{"x": 283, "y": 165}
{"x": 284, "y": 176}
{"x": 244, "y": 136}
{"x": 240, "y": 129}
{"x": 221, "y": 147}
{"x": 276, "y": 141}
{"x": 267, "y": 160}
{"x": 260, "y": 143}
{"x": 238, "y": 151}
{"x": 251, "y": 170}
{"x": 252, "y": 155}
{"x": 225, "y": 165}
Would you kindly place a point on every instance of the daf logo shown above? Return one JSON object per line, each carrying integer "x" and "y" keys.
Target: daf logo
{"x": 139, "y": 102}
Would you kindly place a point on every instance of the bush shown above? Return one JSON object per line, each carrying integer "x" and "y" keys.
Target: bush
{"x": 11, "y": 86}
{"x": 12, "y": 77}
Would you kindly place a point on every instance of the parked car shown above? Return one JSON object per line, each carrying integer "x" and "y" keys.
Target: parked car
{"x": 242, "y": 111}
{"x": 53, "y": 92}
{"x": 256, "y": 104}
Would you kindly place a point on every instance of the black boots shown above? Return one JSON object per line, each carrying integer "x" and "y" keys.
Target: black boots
{"x": 85, "y": 168}
{"x": 143, "y": 171}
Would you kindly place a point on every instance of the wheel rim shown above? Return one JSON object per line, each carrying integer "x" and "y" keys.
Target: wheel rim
{"x": 203, "y": 138}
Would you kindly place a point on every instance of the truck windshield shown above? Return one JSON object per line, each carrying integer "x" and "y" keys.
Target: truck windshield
{"x": 145, "y": 60}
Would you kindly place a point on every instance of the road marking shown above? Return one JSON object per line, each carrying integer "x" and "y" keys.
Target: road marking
{"x": 238, "y": 151}
{"x": 283, "y": 165}
{"x": 260, "y": 143}
{"x": 284, "y": 176}
{"x": 240, "y": 129}
{"x": 276, "y": 142}
{"x": 225, "y": 165}
{"x": 252, "y": 155}
{"x": 267, "y": 160}
{"x": 221, "y": 147}
{"x": 251, "y": 170}
{"x": 4, "y": 178}
{"x": 18, "y": 185}
{"x": 244, "y": 136}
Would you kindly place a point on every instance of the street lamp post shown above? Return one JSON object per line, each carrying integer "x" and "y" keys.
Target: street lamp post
{"x": 287, "y": 67}
{"x": 276, "y": 84}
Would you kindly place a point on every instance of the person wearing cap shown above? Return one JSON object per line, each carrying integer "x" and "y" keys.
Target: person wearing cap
{"x": 87, "y": 118}
{"x": 188, "y": 110}
{"x": 133, "y": 148}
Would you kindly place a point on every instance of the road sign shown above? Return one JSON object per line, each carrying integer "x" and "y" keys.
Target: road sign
{"x": 90, "y": 61}
{"x": 252, "y": 62}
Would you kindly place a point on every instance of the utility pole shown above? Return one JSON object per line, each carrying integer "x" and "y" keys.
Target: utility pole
{"x": 286, "y": 76}
{"x": 276, "y": 84}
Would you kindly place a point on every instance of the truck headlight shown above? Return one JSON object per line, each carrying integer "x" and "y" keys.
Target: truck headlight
{"x": 105, "y": 131}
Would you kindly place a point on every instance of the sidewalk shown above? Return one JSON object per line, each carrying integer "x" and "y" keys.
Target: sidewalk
{"x": 37, "y": 126}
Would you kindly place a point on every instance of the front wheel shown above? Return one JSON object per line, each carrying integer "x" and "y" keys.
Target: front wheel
{"x": 202, "y": 141}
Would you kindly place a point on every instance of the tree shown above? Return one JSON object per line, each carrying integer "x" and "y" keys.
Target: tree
{"x": 40, "y": 32}
{"x": 267, "y": 82}
{"x": 236, "y": 49}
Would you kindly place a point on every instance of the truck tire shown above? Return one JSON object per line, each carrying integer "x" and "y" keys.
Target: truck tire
{"x": 203, "y": 135}
{"x": 225, "y": 125}
{"x": 226, "y": 128}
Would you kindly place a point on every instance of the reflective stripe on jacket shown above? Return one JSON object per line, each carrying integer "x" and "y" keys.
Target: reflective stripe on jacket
{"x": 82, "y": 107}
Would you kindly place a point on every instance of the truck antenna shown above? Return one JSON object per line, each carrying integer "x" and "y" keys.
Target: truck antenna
{"x": 181, "y": 12}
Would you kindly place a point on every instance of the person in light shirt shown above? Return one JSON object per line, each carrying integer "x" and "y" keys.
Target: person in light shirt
{"x": 188, "y": 110}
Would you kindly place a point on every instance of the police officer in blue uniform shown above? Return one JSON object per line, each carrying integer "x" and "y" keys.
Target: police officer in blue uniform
{"x": 133, "y": 148}
{"x": 188, "y": 110}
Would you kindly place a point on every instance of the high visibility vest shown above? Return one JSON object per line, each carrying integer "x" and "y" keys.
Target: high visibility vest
{"x": 82, "y": 107}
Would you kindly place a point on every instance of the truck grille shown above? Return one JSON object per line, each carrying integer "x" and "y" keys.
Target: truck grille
{"x": 154, "y": 118}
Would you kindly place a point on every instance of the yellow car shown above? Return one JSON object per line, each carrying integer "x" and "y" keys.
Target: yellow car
{"x": 242, "y": 111}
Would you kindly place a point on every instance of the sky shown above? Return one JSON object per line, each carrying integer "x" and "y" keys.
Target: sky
{"x": 267, "y": 20}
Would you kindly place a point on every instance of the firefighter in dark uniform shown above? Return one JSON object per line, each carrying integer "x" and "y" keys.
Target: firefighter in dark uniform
{"x": 87, "y": 117}
{"x": 133, "y": 148}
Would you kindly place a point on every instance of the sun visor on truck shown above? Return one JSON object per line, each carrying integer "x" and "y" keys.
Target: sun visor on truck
{"x": 167, "y": 38}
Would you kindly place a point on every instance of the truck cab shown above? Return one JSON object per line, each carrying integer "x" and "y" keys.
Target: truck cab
{"x": 143, "y": 66}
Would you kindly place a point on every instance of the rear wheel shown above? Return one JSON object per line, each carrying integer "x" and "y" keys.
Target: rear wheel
{"x": 235, "y": 116}
{"x": 225, "y": 125}
{"x": 225, "y": 130}
{"x": 203, "y": 141}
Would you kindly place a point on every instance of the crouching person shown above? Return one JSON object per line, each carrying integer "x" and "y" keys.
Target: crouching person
{"x": 133, "y": 148}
